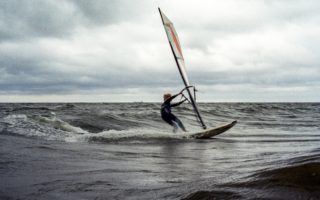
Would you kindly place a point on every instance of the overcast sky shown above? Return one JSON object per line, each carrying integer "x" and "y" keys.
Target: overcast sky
{"x": 117, "y": 50}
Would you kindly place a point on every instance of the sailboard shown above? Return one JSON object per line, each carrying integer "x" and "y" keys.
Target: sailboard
{"x": 179, "y": 59}
{"x": 209, "y": 133}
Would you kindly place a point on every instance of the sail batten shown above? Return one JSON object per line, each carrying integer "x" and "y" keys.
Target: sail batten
{"x": 178, "y": 56}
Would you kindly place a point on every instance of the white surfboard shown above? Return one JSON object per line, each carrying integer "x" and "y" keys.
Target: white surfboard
{"x": 209, "y": 133}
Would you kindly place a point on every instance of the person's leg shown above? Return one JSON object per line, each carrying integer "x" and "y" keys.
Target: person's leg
{"x": 177, "y": 121}
{"x": 170, "y": 119}
{"x": 180, "y": 124}
{"x": 175, "y": 126}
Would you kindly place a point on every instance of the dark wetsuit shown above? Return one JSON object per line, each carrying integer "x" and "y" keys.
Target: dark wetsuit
{"x": 168, "y": 116}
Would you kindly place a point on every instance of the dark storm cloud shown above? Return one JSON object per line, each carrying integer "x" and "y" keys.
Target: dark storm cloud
{"x": 281, "y": 77}
{"x": 108, "y": 11}
{"x": 29, "y": 76}
{"x": 21, "y": 19}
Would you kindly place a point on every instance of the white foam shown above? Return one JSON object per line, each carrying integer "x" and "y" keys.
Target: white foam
{"x": 13, "y": 119}
{"x": 60, "y": 124}
{"x": 144, "y": 133}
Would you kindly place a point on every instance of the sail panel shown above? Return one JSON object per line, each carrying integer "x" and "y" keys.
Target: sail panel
{"x": 172, "y": 36}
{"x": 183, "y": 72}
{"x": 174, "y": 40}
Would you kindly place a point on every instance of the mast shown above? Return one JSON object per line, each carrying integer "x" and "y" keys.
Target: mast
{"x": 177, "y": 50}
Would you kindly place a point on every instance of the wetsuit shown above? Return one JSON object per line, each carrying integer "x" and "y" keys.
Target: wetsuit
{"x": 168, "y": 116}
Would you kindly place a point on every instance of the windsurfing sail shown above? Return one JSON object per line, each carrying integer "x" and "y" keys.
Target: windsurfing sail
{"x": 178, "y": 56}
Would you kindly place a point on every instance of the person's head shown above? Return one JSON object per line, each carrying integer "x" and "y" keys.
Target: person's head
{"x": 166, "y": 96}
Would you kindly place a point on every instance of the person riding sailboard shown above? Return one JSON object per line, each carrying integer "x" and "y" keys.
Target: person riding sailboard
{"x": 166, "y": 113}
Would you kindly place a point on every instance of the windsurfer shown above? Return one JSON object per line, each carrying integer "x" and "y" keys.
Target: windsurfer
{"x": 166, "y": 113}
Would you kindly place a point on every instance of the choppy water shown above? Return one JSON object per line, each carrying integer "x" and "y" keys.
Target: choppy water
{"x": 125, "y": 151}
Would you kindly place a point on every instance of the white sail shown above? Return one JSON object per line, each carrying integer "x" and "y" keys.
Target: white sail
{"x": 175, "y": 45}
{"x": 172, "y": 36}
{"x": 177, "y": 53}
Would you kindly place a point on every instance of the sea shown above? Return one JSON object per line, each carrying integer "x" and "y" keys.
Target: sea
{"x": 74, "y": 151}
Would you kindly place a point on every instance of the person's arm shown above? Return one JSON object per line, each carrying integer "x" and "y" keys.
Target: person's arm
{"x": 171, "y": 98}
{"x": 176, "y": 104}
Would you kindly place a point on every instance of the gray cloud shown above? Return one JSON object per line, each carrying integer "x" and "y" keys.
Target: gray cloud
{"x": 21, "y": 19}
{"x": 34, "y": 18}
{"x": 110, "y": 11}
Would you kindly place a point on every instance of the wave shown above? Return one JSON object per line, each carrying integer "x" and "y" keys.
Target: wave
{"x": 57, "y": 123}
{"x": 304, "y": 176}
{"x": 298, "y": 179}
{"x": 49, "y": 128}
{"x": 53, "y": 128}
{"x": 292, "y": 182}
{"x": 30, "y": 108}
{"x": 215, "y": 194}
